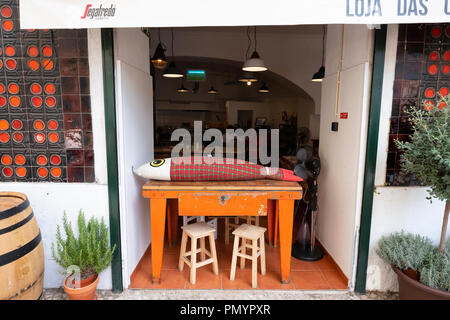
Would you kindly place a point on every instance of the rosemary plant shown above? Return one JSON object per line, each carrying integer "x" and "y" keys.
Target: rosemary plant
{"x": 90, "y": 251}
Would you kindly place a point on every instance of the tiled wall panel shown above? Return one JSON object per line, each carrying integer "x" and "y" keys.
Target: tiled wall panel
{"x": 422, "y": 71}
{"x": 45, "y": 114}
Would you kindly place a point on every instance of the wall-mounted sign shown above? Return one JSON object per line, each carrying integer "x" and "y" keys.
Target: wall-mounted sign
{"x": 344, "y": 115}
{"x": 196, "y": 75}
{"x": 56, "y": 14}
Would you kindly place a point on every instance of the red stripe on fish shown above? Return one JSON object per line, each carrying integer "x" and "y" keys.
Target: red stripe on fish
{"x": 223, "y": 169}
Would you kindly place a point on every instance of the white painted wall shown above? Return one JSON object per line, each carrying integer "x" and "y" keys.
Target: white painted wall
{"x": 396, "y": 208}
{"x": 50, "y": 200}
{"x": 343, "y": 153}
{"x": 134, "y": 102}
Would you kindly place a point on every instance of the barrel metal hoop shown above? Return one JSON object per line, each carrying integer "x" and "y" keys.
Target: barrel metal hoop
{"x": 20, "y": 252}
{"x": 15, "y": 210}
{"x": 17, "y": 225}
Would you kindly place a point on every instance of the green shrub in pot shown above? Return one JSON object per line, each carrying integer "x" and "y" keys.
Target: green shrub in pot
{"x": 404, "y": 250}
{"x": 90, "y": 251}
{"x": 435, "y": 271}
{"x": 427, "y": 155}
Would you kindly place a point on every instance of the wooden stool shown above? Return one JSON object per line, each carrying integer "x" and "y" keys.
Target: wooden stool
{"x": 198, "y": 230}
{"x": 211, "y": 222}
{"x": 253, "y": 233}
{"x": 229, "y": 226}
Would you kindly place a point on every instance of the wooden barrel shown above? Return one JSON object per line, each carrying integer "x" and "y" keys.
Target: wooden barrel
{"x": 21, "y": 249}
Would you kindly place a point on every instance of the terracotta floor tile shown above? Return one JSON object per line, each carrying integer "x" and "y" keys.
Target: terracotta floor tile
{"x": 301, "y": 265}
{"x": 170, "y": 262}
{"x": 272, "y": 281}
{"x": 140, "y": 279}
{"x": 325, "y": 263}
{"x": 205, "y": 279}
{"x": 309, "y": 280}
{"x": 305, "y": 275}
{"x": 335, "y": 279}
{"x": 242, "y": 279}
{"x": 172, "y": 250}
{"x": 171, "y": 279}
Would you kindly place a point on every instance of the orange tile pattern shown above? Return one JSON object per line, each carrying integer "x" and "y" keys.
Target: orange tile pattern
{"x": 319, "y": 275}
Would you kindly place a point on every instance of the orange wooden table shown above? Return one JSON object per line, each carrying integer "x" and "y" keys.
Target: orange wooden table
{"x": 222, "y": 198}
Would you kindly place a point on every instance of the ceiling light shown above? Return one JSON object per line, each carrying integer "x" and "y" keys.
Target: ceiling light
{"x": 264, "y": 88}
{"x": 159, "y": 59}
{"x": 255, "y": 63}
{"x": 212, "y": 90}
{"x": 182, "y": 89}
{"x": 247, "y": 77}
{"x": 172, "y": 71}
{"x": 319, "y": 75}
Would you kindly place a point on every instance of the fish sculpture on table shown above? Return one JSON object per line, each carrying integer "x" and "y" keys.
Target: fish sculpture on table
{"x": 210, "y": 169}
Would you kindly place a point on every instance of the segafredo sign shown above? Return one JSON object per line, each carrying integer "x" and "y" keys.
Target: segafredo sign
{"x": 43, "y": 14}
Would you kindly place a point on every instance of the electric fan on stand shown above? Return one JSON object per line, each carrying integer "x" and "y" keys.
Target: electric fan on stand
{"x": 308, "y": 168}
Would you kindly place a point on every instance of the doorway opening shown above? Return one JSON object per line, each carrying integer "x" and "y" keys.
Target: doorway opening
{"x": 283, "y": 98}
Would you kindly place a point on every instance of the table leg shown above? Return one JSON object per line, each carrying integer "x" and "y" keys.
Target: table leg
{"x": 270, "y": 220}
{"x": 276, "y": 221}
{"x": 172, "y": 221}
{"x": 169, "y": 223}
{"x": 286, "y": 209}
{"x": 157, "y": 226}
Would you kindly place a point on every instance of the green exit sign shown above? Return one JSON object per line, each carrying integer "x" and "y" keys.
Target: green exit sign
{"x": 196, "y": 75}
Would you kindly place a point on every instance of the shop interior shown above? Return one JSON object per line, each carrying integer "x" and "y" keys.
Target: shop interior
{"x": 239, "y": 77}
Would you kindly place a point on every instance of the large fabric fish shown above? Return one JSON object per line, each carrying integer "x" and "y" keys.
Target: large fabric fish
{"x": 210, "y": 169}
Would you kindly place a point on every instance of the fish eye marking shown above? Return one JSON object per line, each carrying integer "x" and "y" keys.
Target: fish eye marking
{"x": 157, "y": 163}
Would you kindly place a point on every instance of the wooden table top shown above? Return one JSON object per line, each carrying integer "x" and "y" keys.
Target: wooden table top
{"x": 247, "y": 185}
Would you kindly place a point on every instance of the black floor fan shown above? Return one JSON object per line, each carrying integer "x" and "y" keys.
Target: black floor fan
{"x": 305, "y": 247}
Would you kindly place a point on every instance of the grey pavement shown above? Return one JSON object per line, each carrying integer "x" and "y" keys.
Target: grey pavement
{"x": 156, "y": 294}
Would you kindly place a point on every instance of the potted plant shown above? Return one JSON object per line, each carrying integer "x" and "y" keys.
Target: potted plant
{"x": 89, "y": 253}
{"x": 405, "y": 251}
{"x": 427, "y": 156}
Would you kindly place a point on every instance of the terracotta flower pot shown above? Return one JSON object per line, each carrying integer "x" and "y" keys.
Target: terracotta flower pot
{"x": 413, "y": 274}
{"x": 410, "y": 289}
{"x": 84, "y": 282}
{"x": 86, "y": 292}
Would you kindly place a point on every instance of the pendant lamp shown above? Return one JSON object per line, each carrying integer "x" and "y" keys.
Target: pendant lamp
{"x": 247, "y": 77}
{"x": 159, "y": 59}
{"x": 255, "y": 63}
{"x": 264, "y": 88}
{"x": 182, "y": 89}
{"x": 319, "y": 75}
{"x": 172, "y": 71}
{"x": 212, "y": 90}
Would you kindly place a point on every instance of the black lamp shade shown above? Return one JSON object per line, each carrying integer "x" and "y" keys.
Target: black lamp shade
{"x": 182, "y": 89}
{"x": 172, "y": 71}
{"x": 264, "y": 88}
{"x": 248, "y": 77}
{"x": 159, "y": 59}
{"x": 319, "y": 75}
{"x": 212, "y": 90}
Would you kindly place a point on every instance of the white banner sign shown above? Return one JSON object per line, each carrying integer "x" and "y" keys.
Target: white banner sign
{"x": 44, "y": 14}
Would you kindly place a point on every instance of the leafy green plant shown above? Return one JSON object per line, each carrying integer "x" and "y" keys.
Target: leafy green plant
{"x": 404, "y": 250}
{"x": 427, "y": 155}
{"x": 435, "y": 271}
{"x": 90, "y": 251}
